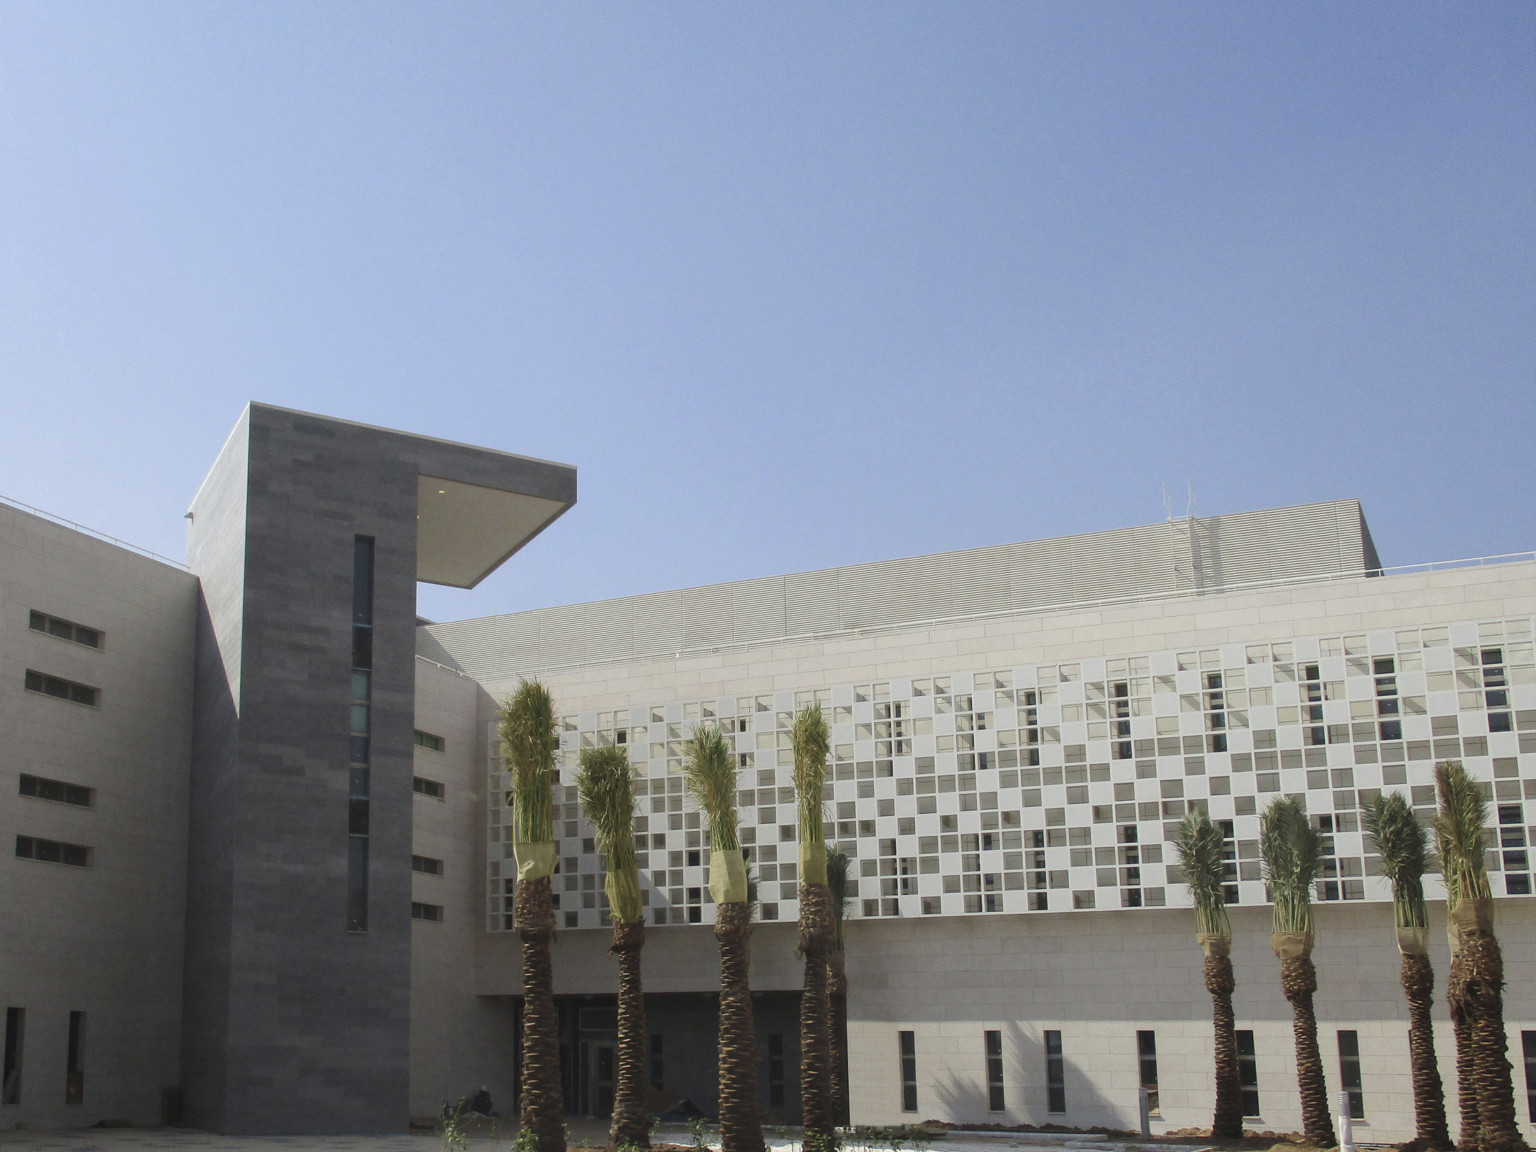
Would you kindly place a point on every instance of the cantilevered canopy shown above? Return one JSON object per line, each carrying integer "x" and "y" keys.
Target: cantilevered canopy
{"x": 464, "y": 532}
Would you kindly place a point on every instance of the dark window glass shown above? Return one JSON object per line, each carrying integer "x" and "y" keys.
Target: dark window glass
{"x": 64, "y": 629}
{"x": 1248, "y": 1071}
{"x": 1528, "y": 1048}
{"x": 58, "y": 790}
{"x": 656, "y": 1060}
{"x": 61, "y": 689}
{"x": 74, "y": 1067}
{"x": 1146, "y": 1053}
{"x": 434, "y": 743}
{"x": 362, "y": 647}
{"x": 425, "y": 787}
{"x": 52, "y": 851}
{"x": 427, "y": 865}
{"x": 10, "y": 1086}
{"x": 362, "y": 580}
{"x": 909, "y": 1071}
{"x": 433, "y": 912}
{"x": 994, "y": 1047}
{"x": 1349, "y": 1073}
{"x": 1055, "y": 1073}
{"x": 775, "y": 1070}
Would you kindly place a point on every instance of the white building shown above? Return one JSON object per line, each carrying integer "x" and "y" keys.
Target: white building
{"x": 1016, "y": 730}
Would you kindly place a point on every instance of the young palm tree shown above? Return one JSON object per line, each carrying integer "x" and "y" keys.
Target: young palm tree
{"x": 712, "y": 780}
{"x": 1404, "y": 851}
{"x": 1199, "y": 847}
{"x": 1476, "y": 985}
{"x": 837, "y": 982}
{"x": 607, "y": 793}
{"x": 529, "y": 741}
{"x": 811, "y": 741}
{"x": 1292, "y": 856}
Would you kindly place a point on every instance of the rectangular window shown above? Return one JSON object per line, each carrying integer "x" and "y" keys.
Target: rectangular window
{"x": 1349, "y": 1073}
{"x": 1528, "y": 1047}
{"x": 1055, "y": 1073}
{"x": 427, "y": 865}
{"x": 430, "y": 742}
{"x": 908, "y": 1071}
{"x": 420, "y": 911}
{"x": 424, "y": 787}
{"x": 65, "y": 629}
{"x": 58, "y": 790}
{"x": 1146, "y": 1054}
{"x": 74, "y": 1068}
{"x": 995, "y": 1098}
{"x": 10, "y": 1086}
{"x": 59, "y": 688}
{"x": 1248, "y": 1073}
{"x": 775, "y": 1070}
{"x": 359, "y": 731}
{"x": 52, "y": 852}
{"x": 657, "y": 1066}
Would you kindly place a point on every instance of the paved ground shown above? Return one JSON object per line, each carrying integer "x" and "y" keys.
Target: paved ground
{"x": 589, "y": 1134}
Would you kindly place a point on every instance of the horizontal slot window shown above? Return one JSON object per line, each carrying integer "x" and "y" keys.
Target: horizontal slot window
{"x": 420, "y": 911}
{"x": 424, "y": 787}
{"x": 52, "y": 851}
{"x": 430, "y": 742}
{"x": 45, "y": 789}
{"x": 65, "y": 629}
{"x": 62, "y": 689}
{"x": 427, "y": 865}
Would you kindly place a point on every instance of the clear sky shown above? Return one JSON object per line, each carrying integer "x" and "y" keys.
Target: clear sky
{"x": 792, "y": 285}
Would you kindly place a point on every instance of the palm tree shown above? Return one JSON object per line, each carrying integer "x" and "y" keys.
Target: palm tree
{"x": 1476, "y": 985}
{"x": 1199, "y": 847}
{"x": 1404, "y": 851}
{"x": 811, "y": 741}
{"x": 837, "y": 983}
{"x": 712, "y": 780}
{"x": 529, "y": 740}
{"x": 1292, "y": 855}
{"x": 607, "y": 793}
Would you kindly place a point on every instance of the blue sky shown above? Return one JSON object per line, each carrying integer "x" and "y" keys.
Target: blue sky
{"x": 792, "y": 285}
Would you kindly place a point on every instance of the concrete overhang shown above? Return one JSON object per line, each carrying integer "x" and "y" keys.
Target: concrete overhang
{"x": 464, "y": 532}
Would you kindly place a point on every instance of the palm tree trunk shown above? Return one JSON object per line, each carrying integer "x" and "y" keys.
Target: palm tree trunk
{"x": 542, "y": 1104}
{"x": 631, "y": 1118}
{"x": 816, "y": 935}
{"x": 1428, "y": 1093}
{"x": 837, "y": 1001}
{"x": 741, "y": 1127}
{"x": 1220, "y": 983}
{"x": 1483, "y": 994}
{"x": 1298, "y": 979}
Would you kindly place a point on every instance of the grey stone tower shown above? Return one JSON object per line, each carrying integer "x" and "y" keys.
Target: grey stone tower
{"x": 308, "y": 537}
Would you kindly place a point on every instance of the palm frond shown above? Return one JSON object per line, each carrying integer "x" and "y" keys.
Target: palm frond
{"x": 1404, "y": 851}
{"x": 1460, "y": 832}
{"x": 608, "y": 795}
{"x": 811, "y": 741}
{"x": 837, "y": 881}
{"x": 1199, "y": 847}
{"x": 529, "y": 740}
{"x": 710, "y": 766}
{"x": 1291, "y": 851}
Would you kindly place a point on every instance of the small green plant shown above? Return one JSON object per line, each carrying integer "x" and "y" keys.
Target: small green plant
{"x": 698, "y": 1130}
{"x": 822, "y": 1141}
{"x": 526, "y": 1140}
{"x": 455, "y": 1139}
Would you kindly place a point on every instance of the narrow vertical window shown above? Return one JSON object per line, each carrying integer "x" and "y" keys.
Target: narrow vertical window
{"x": 656, "y": 1061}
{"x": 1146, "y": 1054}
{"x": 1248, "y": 1072}
{"x": 10, "y": 1087}
{"x": 74, "y": 1068}
{"x": 1055, "y": 1074}
{"x": 995, "y": 1098}
{"x": 1528, "y": 1045}
{"x": 908, "y": 1071}
{"x": 776, "y": 1070}
{"x": 1349, "y": 1073}
{"x": 360, "y": 731}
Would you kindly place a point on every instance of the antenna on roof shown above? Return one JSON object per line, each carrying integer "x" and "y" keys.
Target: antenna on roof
{"x": 1190, "y": 509}
{"x": 1167, "y": 503}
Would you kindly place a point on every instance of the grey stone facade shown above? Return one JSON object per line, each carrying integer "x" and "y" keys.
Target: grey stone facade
{"x": 292, "y": 1023}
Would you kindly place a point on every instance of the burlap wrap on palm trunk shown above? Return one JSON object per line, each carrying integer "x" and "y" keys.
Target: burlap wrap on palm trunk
{"x": 728, "y": 878}
{"x": 535, "y": 858}
{"x": 1413, "y": 941}
{"x": 1291, "y": 945}
{"x": 1214, "y": 944}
